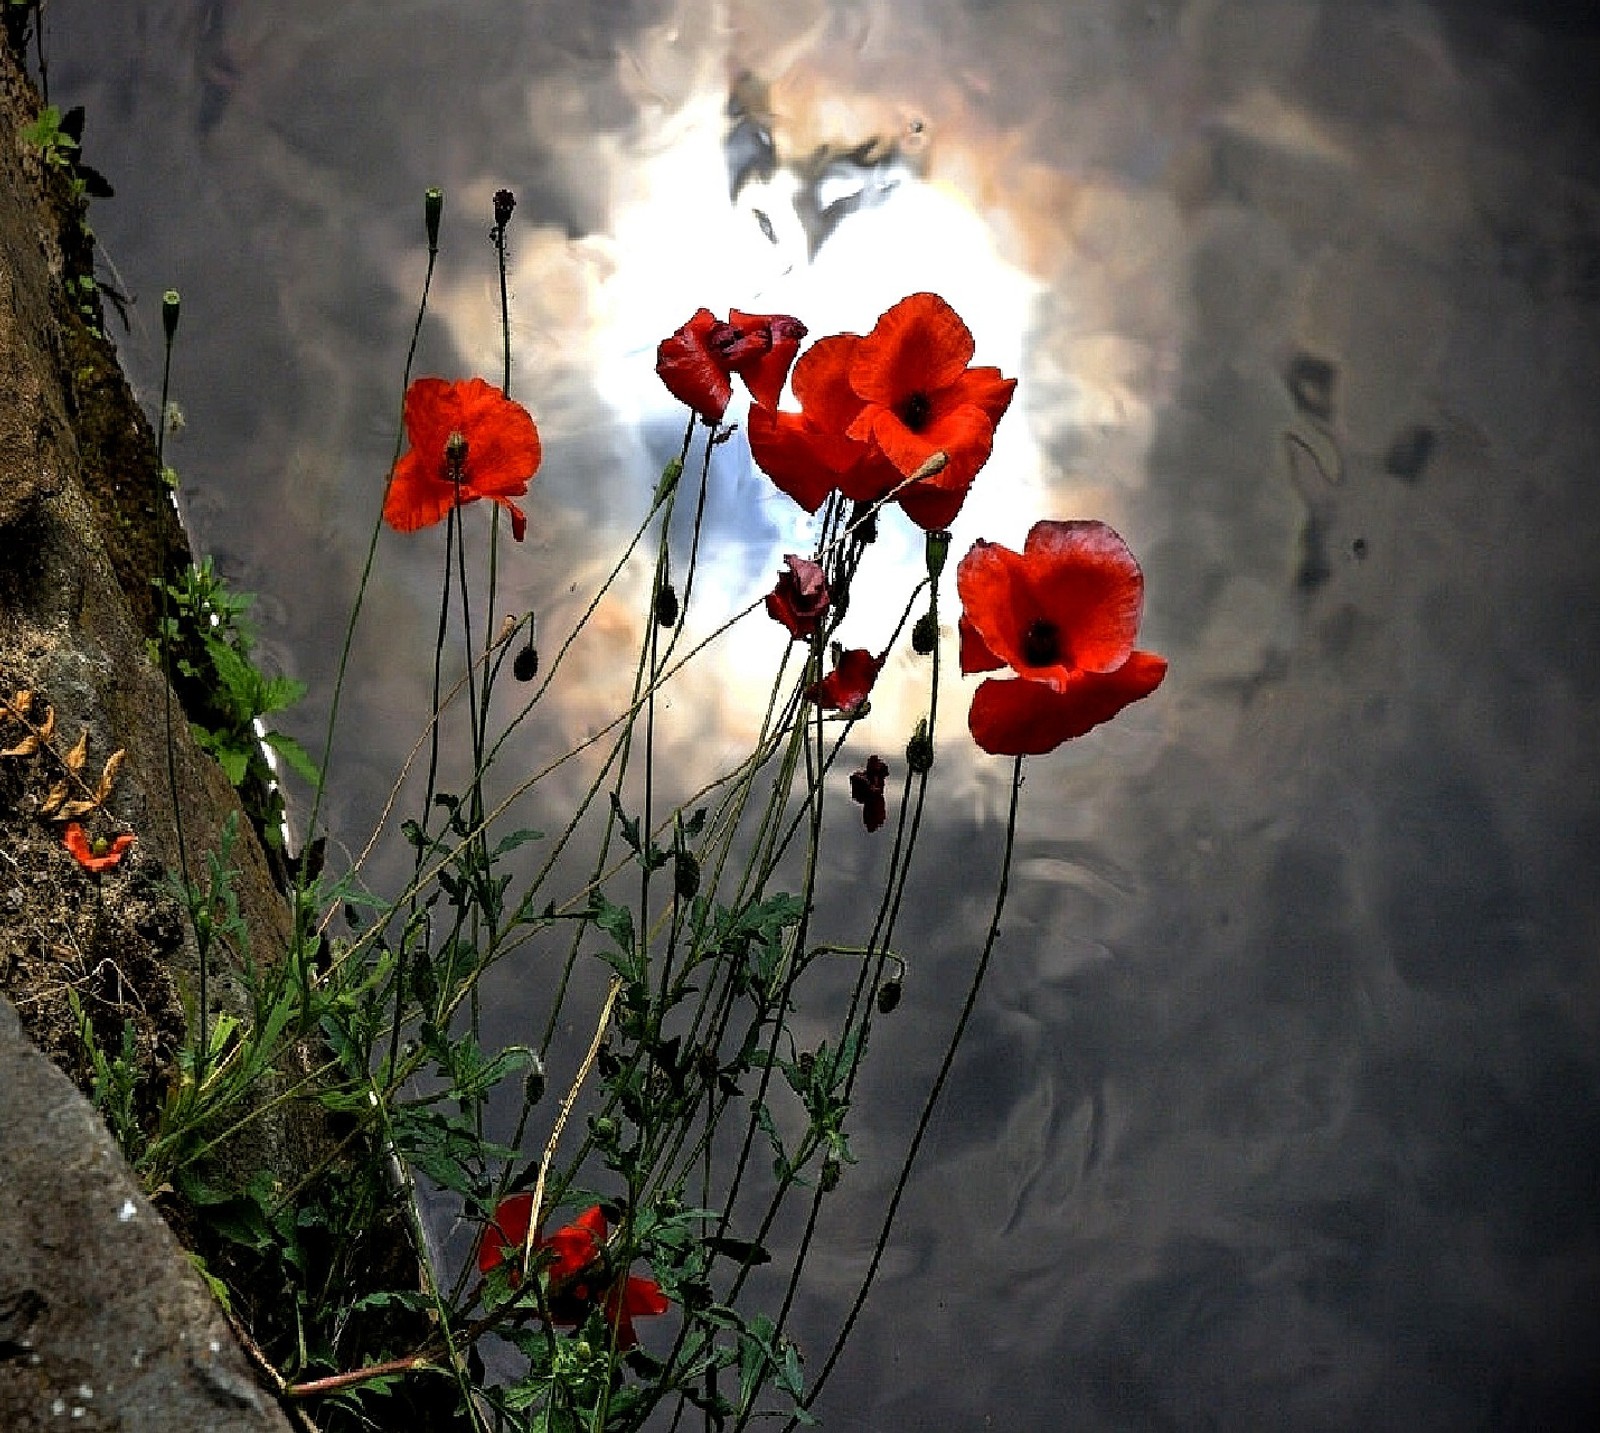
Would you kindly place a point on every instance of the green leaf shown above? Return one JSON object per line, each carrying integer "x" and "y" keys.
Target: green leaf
{"x": 295, "y": 756}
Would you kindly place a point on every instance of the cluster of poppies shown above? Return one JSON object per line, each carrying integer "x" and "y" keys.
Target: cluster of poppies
{"x": 901, "y": 415}
{"x": 578, "y": 1276}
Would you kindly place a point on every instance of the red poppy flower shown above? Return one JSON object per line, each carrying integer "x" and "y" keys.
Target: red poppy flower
{"x": 875, "y": 409}
{"x": 501, "y": 453}
{"x": 574, "y": 1276}
{"x": 866, "y": 786}
{"x": 697, "y": 363}
{"x": 800, "y": 600}
{"x": 95, "y": 856}
{"x": 847, "y": 687}
{"x": 1063, "y": 614}
{"x": 920, "y": 398}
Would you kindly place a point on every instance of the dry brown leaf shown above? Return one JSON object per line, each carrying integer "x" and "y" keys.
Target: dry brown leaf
{"x": 74, "y": 809}
{"x": 79, "y": 753}
{"x": 108, "y": 773}
{"x": 56, "y": 795}
{"x": 26, "y": 747}
{"x": 18, "y": 706}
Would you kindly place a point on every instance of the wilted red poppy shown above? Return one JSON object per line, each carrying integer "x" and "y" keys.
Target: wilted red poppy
{"x": 800, "y": 600}
{"x": 849, "y": 684}
{"x": 99, "y": 855}
{"x": 576, "y": 1277}
{"x": 875, "y": 409}
{"x": 697, "y": 363}
{"x": 468, "y": 441}
{"x": 1063, "y": 614}
{"x": 866, "y": 786}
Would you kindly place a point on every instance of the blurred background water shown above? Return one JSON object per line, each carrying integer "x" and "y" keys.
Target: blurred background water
{"x": 1282, "y": 1107}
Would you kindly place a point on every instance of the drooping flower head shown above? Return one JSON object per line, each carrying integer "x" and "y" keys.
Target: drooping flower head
{"x": 800, "y": 600}
{"x": 866, "y": 786}
{"x": 96, "y": 856}
{"x": 847, "y": 687}
{"x": 468, "y": 441}
{"x": 697, "y": 363}
{"x": 884, "y": 407}
{"x": 577, "y": 1278}
{"x": 1063, "y": 614}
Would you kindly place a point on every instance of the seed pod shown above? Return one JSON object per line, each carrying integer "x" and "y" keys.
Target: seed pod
{"x": 888, "y": 995}
{"x": 925, "y": 635}
{"x": 919, "y": 750}
{"x": 666, "y": 605}
{"x": 432, "y": 207}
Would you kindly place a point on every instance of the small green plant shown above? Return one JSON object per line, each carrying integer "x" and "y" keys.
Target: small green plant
{"x": 116, "y": 1080}
{"x": 209, "y": 643}
{"x": 59, "y": 139}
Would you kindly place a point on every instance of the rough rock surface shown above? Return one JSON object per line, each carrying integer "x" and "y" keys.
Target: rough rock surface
{"x": 103, "y": 1322}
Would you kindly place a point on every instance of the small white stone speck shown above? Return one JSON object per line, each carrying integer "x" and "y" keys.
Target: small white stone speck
{"x": 215, "y": 1346}
{"x": 138, "y": 1358}
{"x": 58, "y": 1407}
{"x": 128, "y": 1211}
{"x": 85, "y": 1392}
{"x": 77, "y": 1413}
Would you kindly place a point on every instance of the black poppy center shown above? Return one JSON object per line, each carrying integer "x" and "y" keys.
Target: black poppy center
{"x": 915, "y": 410}
{"x": 1041, "y": 644}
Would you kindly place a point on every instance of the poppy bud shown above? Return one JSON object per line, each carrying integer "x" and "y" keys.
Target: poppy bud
{"x": 504, "y": 202}
{"x": 525, "y": 665}
{"x": 919, "y": 750}
{"x": 170, "y": 304}
{"x": 432, "y": 208}
{"x": 668, "y": 481}
{"x": 830, "y": 1175}
{"x": 604, "y": 1130}
{"x": 685, "y": 875}
{"x": 888, "y": 995}
{"x": 925, "y": 635}
{"x": 533, "y": 1083}
{"x": 666, "y": 605}
{"x": 934, "y": 552}
{"x": 864, "y": 523}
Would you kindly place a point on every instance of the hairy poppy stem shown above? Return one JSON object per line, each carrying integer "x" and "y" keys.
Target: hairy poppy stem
{"x": 932, "y": 1100}
{"x": 171, "y": 307}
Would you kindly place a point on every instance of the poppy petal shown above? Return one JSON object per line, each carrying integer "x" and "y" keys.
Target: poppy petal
{"x": 975, "y": 654}
{"x": 997, "y": 602}
{"x": 503, "y": 449}
{"x": 1087, "y": 581}
{"x": 849, "y": 684}
{"x": 506, "y": 1232}
{"x": 1025, "y": 718}
{"x": 918, "y": 346}
{"x": 766, "y": 375}
{"x": 822, "y": 382}
{"x": 690, "y": 369}
{"x": 795, "y": 455}
{"x": 984, "y": 388}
